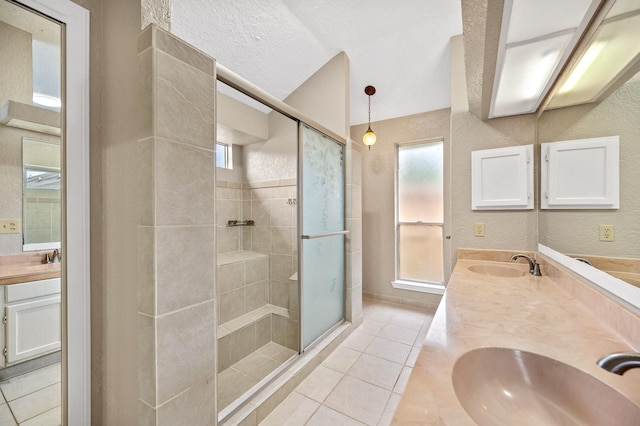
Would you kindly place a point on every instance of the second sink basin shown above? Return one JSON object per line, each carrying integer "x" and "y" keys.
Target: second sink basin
{"x": 508, "y": 386}
{"x": 497, "y": 271}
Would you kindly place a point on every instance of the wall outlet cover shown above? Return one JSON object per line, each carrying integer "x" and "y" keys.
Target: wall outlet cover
{"x": 606, "y": 233}
{"x": 10, "y": 226}
{"x": 479, "y": 230}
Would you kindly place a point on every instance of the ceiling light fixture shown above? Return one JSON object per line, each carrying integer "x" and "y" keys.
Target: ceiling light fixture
{"x": 369, "y": 138}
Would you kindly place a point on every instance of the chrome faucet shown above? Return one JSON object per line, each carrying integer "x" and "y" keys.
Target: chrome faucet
{"x": 620, "y": 362}
{"x": 534, "y": 267}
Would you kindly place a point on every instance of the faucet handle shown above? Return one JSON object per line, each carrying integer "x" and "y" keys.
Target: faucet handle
{"x": 47, "y": 258}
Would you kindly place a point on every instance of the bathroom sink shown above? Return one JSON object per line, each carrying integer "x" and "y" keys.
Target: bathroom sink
{"x": 508, "y": 386}
{"x": 497, "y": 271}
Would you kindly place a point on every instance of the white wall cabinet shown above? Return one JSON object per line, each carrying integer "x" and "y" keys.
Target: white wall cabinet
{"x": 32, "y": 320}
{"x": 502, "y": 178}
{"x": 581, "y": 174}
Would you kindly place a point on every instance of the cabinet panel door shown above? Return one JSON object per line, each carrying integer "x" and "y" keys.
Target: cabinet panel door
{"x": 33, "y": 328}
{"x": 502, "y": 178}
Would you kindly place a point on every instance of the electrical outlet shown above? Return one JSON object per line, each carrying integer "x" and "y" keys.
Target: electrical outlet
{"x": 479, "y": 230}
{"x": 9, "y": 226}
{"x": 606, "y": 233}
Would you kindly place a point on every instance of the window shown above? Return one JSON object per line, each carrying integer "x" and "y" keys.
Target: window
{"x": 223, "y": 156}
{"x": 419, "y": 215}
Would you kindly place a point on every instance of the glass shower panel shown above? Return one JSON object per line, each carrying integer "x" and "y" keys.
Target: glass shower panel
{"x": 323, "y": 261}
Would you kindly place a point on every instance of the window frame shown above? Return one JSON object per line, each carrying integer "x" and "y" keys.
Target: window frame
{"x": 403, "y": 283}
{"x": 228, "y": 155}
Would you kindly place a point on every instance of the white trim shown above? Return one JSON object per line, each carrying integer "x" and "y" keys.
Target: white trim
{"x": 41, "y": 246}
{"x": 431, "y": 288}
{"x": 76, "y": 272}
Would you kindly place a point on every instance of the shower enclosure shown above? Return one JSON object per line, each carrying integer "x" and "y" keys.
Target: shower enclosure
{"x": 280, "y": 264}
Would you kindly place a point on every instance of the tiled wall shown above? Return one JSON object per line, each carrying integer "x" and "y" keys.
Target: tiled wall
{"x": 242, "y": 284}
{"x": 42, "y": 216}
{"x": 247, "y": 285}
{"x": 175, "y": 233}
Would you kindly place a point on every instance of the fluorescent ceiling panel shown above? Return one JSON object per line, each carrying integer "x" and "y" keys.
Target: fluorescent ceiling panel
{"x": 537, "y": 37}
{"x": 615, "y": 47}
{"x": 526, "y": 70}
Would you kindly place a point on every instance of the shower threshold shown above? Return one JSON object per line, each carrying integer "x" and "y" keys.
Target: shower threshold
{"x": 234, "y": 381}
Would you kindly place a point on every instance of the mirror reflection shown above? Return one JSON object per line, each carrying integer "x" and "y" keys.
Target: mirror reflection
{"x": 30, "y": 196}
{"x": 41, "y": 195}
{"x": 576, "y": 232}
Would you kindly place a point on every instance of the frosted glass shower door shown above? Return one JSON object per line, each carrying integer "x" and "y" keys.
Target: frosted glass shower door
{"x": 323, "y": 234}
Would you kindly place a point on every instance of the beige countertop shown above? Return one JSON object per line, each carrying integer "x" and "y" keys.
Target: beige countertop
{"x": 20, "y": 268}
{"x": 535, "y": 314}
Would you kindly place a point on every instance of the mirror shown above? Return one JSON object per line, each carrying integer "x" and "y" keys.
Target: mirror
{"x": 31, "y": 380}
{"x": 576, "y": 232}
{"x": 41, "y": 222}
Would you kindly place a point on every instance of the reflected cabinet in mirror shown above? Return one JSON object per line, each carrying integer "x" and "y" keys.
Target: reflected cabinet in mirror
{"x": 578, "y": 233}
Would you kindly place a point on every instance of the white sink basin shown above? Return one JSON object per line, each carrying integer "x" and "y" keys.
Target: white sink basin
{"x": 499, "y": 386}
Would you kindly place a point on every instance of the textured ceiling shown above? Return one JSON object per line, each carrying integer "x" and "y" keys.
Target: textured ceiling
{"x": 401, "y": 47}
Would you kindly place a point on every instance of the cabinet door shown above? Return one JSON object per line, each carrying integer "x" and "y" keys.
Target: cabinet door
{"x": 581, "y": 174}
{"x": 33, "y": 328}
{"x": 502, "y": 178}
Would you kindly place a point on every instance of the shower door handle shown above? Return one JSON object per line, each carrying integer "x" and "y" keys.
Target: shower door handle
{"x": 328, "y": 234}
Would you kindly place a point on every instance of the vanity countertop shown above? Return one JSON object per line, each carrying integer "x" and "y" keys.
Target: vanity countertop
{"x": 20, "y": 268}
{"x": 534, "y": 314}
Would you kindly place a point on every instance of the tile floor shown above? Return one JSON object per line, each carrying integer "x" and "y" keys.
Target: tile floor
{"x": 241, "y": 376}
{"x": 32, "y": 398}
{"x": 362, "y": 381}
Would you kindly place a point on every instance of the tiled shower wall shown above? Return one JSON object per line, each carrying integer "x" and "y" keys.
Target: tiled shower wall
{"x": 176, "y": 246}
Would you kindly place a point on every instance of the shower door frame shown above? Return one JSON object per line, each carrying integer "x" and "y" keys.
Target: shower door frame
{"x": 236, "y": 82}
{"x": 302, "y": 237}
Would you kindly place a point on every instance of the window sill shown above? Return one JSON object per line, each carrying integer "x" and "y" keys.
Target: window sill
{"x": 417, "y": 286}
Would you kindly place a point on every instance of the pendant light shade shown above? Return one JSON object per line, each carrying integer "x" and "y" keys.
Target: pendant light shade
{"x": 369, "y": 138}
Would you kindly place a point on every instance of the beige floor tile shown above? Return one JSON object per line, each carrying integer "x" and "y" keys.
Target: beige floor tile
{"x": 371, "y": 326}
{"x": 36, "y": 402}
{"x": 389, "y": 410}
{"x": 256, "y": 366}
{"x": 319, "y": 384}
{"x": 295, "y": 410}
{"x": 271, "y": 349}
{"x": 328, "y": 417}
{"x": 378, "y": 312}
{"x": 399, "y": 334}
{"x": 6, "y": 418}
{"x": 359, "y": 400}
{"x": 401, "y": 383}
{"x": 358, "y": 341}
{"x": 50, "y": 418}
{"x": 341, "y": 359}
{"x": 376, "y": 371}
{"x": 413, "y": 320}
{"x": 413, "y": 356}
{"x": 30, "y": 382}
{"x": 232, "y": 384}
{"x": 389, "y": 350}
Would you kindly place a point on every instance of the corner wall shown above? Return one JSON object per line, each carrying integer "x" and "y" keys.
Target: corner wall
{"x": 378, "y": 201}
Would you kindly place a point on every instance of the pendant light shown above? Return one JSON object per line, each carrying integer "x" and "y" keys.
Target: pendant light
{"x": 369, "y": 138}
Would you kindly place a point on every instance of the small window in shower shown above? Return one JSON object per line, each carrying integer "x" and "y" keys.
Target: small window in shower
{"x": 223, "y": 156}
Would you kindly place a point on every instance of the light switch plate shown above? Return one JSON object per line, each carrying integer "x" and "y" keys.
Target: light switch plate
{"x": 9, "y": 226}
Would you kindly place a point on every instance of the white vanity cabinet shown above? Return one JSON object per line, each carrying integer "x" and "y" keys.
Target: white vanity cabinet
{"x": 31, "y": 320}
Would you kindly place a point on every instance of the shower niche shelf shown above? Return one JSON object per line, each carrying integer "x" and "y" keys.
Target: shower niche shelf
{"x": 232, "y": 223}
